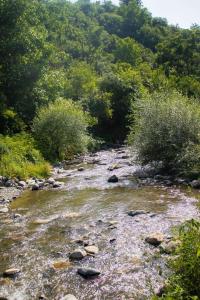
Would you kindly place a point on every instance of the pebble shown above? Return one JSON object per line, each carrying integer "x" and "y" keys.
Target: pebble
{"x": 155, "y": 239}
{"x": 87, "y": 272}
{"x": 69, "y": 297}
{"x": 77, "y": 254}
{"x": 133, "y": 213}
{"x": 4, "y": 210}
{"x": 11, "y": 272}
{"x": 92, "y": 249}
{"x": 113, "y": 179}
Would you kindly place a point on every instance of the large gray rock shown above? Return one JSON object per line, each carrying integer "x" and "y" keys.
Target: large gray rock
{"x": 77, "y": 254}
{"x": 88, "y": 273}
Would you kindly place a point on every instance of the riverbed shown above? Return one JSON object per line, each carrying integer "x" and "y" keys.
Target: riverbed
{"x": 43, "y": 227}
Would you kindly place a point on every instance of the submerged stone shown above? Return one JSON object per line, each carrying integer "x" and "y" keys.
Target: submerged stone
{"x": 133, "y": 213}
{"x": 77, "y": 254}
{"x": 155, "y": 239}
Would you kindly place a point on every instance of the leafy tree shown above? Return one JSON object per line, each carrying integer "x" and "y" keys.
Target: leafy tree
{"x": 60, "y": 129}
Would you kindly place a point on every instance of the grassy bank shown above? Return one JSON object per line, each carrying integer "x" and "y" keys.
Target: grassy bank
{"x": 19, "y": 158}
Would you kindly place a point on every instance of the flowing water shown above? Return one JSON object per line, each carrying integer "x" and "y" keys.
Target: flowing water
{"x": 52, "y": 223}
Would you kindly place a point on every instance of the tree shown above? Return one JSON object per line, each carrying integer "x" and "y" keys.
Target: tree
{"x": 60, "y": 130}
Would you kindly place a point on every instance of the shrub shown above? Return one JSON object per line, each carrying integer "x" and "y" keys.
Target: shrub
{"x": 61, "y": 129}
{"x": 184, "y": 284}
{"x": 166, "y": 127}
{"x": 19, "y": 158}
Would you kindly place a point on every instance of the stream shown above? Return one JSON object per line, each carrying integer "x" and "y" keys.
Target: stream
{"x": 43, "y": 227}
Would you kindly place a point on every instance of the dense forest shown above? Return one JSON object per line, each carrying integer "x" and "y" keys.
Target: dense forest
{"x": 102, "y": 59}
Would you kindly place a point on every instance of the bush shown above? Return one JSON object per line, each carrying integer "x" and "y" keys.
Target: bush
{"x": 165, "y": 129}
{"x": 185, "y": 282}
{"x": 19, "y": 158}
{"x": 61, "y": 130}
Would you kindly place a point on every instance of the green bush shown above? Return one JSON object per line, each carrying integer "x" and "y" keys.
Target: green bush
{"x": 184, "y": 284}
{"x": 19, "y": 158}
{"x": 166, "y": 130}
{"x": 60, "y": 130}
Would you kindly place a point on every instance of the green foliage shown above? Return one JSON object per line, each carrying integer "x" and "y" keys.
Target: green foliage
{"x": 60, "y": 129}
{"x": 184, "y": 284}
{"x": 19, "y": 158}
{"x": 166, "y": 127}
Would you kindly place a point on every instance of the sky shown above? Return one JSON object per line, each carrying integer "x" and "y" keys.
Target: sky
{"x": 181, "y": 12}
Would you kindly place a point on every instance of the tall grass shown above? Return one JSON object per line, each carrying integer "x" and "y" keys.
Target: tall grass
{"x": 19, "y": 158}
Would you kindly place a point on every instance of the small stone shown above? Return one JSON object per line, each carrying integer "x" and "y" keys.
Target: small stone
{"x": 170, "y": 247}
{"x": 112, "y": 222}
{"x": 35, "y": 187}
{"x": 112, "y": 240}
{"x": 50, "y": 180}
{"x": 77, "y": 254}
{"x": 92, "y": 249}
{"x": 133, "y": 213}
{"x": 87, "y": 272}
{"x": 58, "y": 184}
{"x": 81, "y": 169}
{"x": 11, "y": 272}
{"x": 69, "y": 297}
{"x": 42, "y": 221}
{"x": 71, "y": 215}
{"x": 4, "y": 210}
{"x": 155, "y": 239}
{"x": 113, "y": 179}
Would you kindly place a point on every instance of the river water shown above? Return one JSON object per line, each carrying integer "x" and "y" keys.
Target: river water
{"x": 52, "y": 223}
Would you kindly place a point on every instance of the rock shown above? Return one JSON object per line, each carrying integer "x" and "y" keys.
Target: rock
{"x": 113, "y": 179}
{"x": 195, "y": 184}
{"x": 133, "y": 213}
{"x": 87, "y": 272}
{"x": 112, "y": 222}
{"x": 112, "y": 240}
{"x": 170, "y": 247}
{"x": 22, "y": 184}
{"x": 92, "y": 249}
{"x": 42, "y": 221}
{"x": 9, "y": 183}
{"x": 35, "y": 187}
{"x": 11, "y": 272}
{"x": 71, "y": 215}
{"x": 114, "y": 167}
{"x": 4, "y": 210}
{"x": 69, "y": 297}
{"x": 58, "y": 184}
{"x": 50, "y": 180}
{"x": 125, "y": 156}
{"x": 16, "y": 216}
{"x": 81, "y": 169}
{"x": 155, "y": 239}
{"x": 160, "y": 290}
{"x": 77, "y": 254}
{"x": 3, "y": 298}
